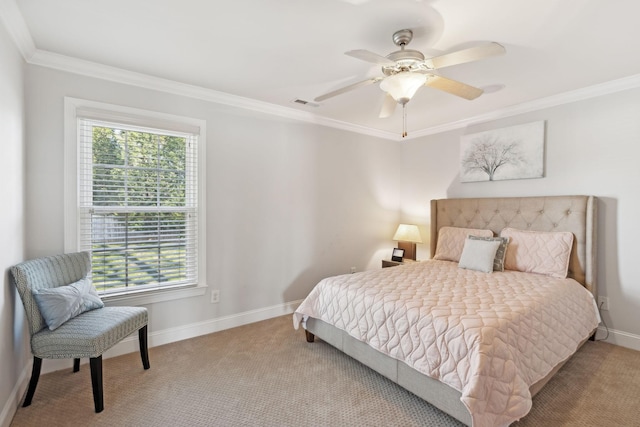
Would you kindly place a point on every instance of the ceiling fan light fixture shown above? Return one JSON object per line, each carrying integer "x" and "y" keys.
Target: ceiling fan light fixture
{"x": 402, "y": 86}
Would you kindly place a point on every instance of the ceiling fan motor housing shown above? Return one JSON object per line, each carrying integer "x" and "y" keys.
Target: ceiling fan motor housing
{"x": 405, "y": 60}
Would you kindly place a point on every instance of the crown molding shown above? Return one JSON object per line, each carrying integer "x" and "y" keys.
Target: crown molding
{"x": 13, "y": 21}
{"x": 625, "y": 83}
{"x": 104, "y": 72}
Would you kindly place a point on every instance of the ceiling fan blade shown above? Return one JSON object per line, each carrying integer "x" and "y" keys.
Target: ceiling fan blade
{"x": 347, "y": 89}
{"x": 368, "y": 56}
{"x": 465, "y": 55}
{"x": 453, "y": 87}
{"x": 388, "y": 106}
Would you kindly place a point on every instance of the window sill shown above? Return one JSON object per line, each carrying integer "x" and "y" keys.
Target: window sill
{"x": 154, "y": 296}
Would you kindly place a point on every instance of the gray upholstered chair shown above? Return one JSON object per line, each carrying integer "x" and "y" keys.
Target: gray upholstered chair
{"x": 89, "y": 334}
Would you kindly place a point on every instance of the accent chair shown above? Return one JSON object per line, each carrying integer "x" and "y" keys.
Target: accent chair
{"x": 88, "y": 333}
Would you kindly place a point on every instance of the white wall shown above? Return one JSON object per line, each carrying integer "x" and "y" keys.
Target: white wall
{"x": 287, "y": 202}
{"x": 592, "y": 147}
{"x": 14, "y": 351}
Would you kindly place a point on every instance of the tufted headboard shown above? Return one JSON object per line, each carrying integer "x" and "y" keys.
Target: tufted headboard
{"x": 577, "y": 214}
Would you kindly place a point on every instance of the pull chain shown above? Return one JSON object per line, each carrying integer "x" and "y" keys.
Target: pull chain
{"x": 404, "y": 120}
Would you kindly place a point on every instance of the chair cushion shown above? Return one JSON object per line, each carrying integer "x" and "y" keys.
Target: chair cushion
{"x": 90, "y": 334}
{"x": 57, "y": 305}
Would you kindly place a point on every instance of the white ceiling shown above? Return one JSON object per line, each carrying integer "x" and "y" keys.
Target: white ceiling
{"x": 276, "y": 51}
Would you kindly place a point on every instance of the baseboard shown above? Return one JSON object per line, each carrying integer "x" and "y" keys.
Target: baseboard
{"x": 623, "y": 339}
{"x": 15, "y": 398}
{"x": 130, "y": 344}
{"x": 166, "y": 336}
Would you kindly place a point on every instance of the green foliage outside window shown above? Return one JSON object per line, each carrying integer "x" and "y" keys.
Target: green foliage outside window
{"x": 139, "y": 221}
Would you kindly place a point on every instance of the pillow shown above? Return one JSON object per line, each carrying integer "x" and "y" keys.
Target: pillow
{"x": 538, "y": 251}
{"x": 479, "y": 254}
{"x": 451, "y": 241}
{"x": 57, "y": 305}
{"x": 498, "y": 261}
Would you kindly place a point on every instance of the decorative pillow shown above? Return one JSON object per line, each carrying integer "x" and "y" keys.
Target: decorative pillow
{"x": 451, "y": 241}
{"x": 538, "y": 251}
{"x": 479, "y": 254}
{"x": 498, "y": 261}
{"x": 57, "y": 305}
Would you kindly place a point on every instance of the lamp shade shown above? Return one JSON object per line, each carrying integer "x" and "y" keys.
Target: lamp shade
{"x": 402, "y": 86}
{"x": 407, "y": 233}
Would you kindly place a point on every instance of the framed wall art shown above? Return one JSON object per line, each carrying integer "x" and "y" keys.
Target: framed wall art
{"x": 515, "y": 152}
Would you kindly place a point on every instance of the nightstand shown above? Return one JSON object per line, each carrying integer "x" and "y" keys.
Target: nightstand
{"x": 389, "y": 263}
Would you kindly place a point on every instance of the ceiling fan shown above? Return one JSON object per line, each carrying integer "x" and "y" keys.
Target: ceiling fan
{"x": 407, "y": 70}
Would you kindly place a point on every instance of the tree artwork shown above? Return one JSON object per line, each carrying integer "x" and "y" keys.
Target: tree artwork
{"x": 509, "y": 153}
{"x": 488, "y": 154}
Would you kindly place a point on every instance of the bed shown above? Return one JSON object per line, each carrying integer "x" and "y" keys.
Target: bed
{"x": 476, "y": 344}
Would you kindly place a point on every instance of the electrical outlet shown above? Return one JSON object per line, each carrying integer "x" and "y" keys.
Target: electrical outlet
{"x": 353, "y": 270}
{"x": 603, "y": 302}
{"x": 215, "y": 296}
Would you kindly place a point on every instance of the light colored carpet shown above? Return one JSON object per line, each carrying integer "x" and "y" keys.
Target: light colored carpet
{"x": 266, "y": 374}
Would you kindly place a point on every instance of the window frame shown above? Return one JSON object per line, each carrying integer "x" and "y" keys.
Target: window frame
{"x": 76, "y": 108}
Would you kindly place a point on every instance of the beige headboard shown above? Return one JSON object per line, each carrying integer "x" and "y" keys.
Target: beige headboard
{"x": 577, "y": 214}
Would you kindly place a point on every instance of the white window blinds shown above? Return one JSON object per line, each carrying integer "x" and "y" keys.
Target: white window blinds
{"x": 138, "y": 205}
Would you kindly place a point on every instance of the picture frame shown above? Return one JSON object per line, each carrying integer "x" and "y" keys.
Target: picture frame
{"x": 397, "y": 254}
{"x": 515, "y": 152}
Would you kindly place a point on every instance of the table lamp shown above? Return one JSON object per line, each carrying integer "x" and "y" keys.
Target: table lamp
{"x": 407, "y": 235}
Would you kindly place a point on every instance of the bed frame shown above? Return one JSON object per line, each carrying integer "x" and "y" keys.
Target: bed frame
{"x": 577, "y": 214}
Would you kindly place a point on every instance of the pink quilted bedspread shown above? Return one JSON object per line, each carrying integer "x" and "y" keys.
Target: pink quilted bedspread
{"x": 489, "y": 336}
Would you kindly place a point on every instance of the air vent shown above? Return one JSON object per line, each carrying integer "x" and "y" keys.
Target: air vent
{"x": 307, "y": 103}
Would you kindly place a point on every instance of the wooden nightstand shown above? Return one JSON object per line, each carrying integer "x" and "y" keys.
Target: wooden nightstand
{"x": 389, "y": 263}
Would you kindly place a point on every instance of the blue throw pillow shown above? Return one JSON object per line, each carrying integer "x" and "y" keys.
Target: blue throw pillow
{"x": 57, "y": 305}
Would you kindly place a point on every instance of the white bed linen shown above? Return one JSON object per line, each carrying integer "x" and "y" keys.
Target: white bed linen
{"x": 488, "y": 335}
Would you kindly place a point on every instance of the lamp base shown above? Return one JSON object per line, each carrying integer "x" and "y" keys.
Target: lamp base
{"x": 409, "y": 249}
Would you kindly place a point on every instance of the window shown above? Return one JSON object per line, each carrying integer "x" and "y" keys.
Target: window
{"x": 138, "y": 204}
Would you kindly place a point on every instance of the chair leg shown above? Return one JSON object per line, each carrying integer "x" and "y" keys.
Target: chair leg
{"x": 144, "y": 350}
{"x": 76, "y": 365}
{"x": 96, "y": 382}
{"x": 33, "y": 383}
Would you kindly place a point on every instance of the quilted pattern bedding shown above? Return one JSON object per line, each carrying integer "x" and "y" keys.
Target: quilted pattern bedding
{"x": 489, "y": 336}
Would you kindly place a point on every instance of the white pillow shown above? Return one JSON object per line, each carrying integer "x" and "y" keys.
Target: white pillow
{"x": 57, "y": 305}
{"x": 451, "y": 241}
{"x": 498, "y": 261}
{"x": 479, "y": 254}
